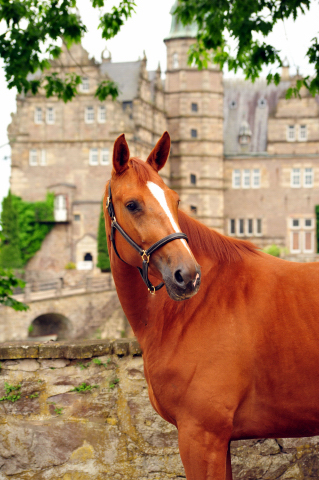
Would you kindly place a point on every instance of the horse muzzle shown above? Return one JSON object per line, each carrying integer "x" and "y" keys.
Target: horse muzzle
{"x": 182, "y": 283}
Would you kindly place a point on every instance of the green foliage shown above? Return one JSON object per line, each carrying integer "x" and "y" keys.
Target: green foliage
{"x": 317, "y": 226}
{"x": 97, "y": 361}
{"x": 34, "y": 395}
{"x": 11, "y": 389}
{"x": 103, "y": 259}
{"x": 7, "y": 283}
{"x": 83, "y": 366}
{"x": 84, "y": 387}
{"x": 273, "y": 250}
{"x": 33, "y": 221}
{"x": 113, "y": 383}
{"x": 34, "y": 28}
{"x": 10, "y": 253}
{"x": 58, "y": 410}
{"x": 70, "y": 266}
{"x": 243, "y": 21}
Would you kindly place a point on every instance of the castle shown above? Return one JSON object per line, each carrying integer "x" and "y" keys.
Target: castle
{"x": 244, "y": 160}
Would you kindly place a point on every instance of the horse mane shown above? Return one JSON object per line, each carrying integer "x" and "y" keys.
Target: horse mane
{"x": 212, "y": 243}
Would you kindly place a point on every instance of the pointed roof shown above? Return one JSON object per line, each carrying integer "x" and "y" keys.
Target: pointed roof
{"x": 178, "y": 30}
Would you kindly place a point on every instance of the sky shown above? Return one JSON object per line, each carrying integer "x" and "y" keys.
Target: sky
{"x": 145, "y": 31}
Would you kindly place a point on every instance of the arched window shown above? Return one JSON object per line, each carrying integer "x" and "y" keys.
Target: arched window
{"x": 175, "y": 60}
{"x": 88, "y": 257}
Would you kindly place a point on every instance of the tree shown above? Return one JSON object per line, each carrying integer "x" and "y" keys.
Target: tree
{"x": 10, "y": 253}
{"x": 103, "y": 259}
{"x": 34, "y": 28}
{"x": 243, "y": 20}
{"x": 7, "y": 283}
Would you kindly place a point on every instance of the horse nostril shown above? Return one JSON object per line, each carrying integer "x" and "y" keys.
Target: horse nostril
{"x": 179, "y": 277}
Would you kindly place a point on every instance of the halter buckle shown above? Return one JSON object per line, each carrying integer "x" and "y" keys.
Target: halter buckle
{"x": 145, "y": 257}
{"x": 152, "y": 291}
{"x": 107, "y": 202}
{"x": 113, "y": 220}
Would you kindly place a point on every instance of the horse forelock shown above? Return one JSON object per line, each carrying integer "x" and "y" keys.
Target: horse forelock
{"x": 212, "y": 243}
{"x": 142, "y": 170}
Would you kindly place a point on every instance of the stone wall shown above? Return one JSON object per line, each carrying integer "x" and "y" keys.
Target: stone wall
{"x": 80, "y": 411}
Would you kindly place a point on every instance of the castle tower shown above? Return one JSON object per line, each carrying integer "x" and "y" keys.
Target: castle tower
{"x": 194, "y": 106}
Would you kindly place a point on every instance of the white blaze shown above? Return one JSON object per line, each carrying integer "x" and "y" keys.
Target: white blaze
{"x": 159, "y": 194}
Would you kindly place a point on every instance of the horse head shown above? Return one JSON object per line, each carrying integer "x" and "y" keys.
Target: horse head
{"x": 147, "y": 211}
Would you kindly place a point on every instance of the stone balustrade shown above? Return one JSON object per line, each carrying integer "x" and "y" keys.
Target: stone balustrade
{"x": 80, "y": 411}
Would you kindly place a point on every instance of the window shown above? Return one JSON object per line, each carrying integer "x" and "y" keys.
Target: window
{"x": 94, "y": 156}
{"x": 194, "y": 107}
{"x": 193, "y": 179}
{"x": 60, "y": 211}
{"x": 175, "y": 60}
{"x": 290, "y": 133}
{"x": 76, "y": 217}
{"x": 33, "y": 157}
{"x": 50, "y": 116}
{"x": 302, "y": 235}
{"x": 105, "y": 156}
{"x": 308, "y": 177}
{"x": 258, "y": 226}
{"x": 193, "y": 209}
{"x": 262, "y": 102}
{"x": 246, "y": 178}
{"x": 233, "y": 104}
{"x": 250, "y": 230}
{"x": 85, "y": 86}
{"x": 102, "y": 114}
{"x": 193, "y": 133}
{"x": 236, "y": 178}
{"x": 241, "y": 230}
{"x": 302, "y": 133}
{"x": 38, "y": 115}
{"x": 89, "y": 115}
{"x": 295, "y": 180}
{"x": 232, "y": 226}
{"x": 43, "y": 158}
{"x": 256, "y": 178}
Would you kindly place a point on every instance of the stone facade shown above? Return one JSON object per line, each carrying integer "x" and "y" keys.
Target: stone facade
{"x": 244, "y": 160}
{"x": 82, "y": 412}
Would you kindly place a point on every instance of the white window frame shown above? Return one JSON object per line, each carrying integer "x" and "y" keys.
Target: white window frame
{"x": 255, "y": 178}
{"x": 246, "y": 174}
{"x": 43, "y": 157}
{"x": 89, "y": 114}
{"x": 248, "y": 233}
{"x": 239, "y": 234}
{"x": 236, "y": 178}
{"x": 295, "y": 173}
{"x": 175, "y": 62}
{"x": 305, "y": 175}
{"x": 33, "y": 157}
{"x": 85, "y": 85}
{"x": 303, "y": 133}
{"x": 291, "y": 133}
{"x": 38, "y": 115}
{"x": 230, "y": 225}
{"x": 101, "y": 117}
{"x": 105, "y": 152}
{"x": 50, "y": 119}
{"x": 94, "y": 153}
{"x": 258, "y": 234}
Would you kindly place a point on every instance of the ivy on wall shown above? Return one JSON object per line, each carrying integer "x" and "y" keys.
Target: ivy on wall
{"x": 24, "y": 227}
{"x": 103, "y": 259}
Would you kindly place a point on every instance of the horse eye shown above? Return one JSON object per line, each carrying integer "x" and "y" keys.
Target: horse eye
{"x": 131, "y": 206}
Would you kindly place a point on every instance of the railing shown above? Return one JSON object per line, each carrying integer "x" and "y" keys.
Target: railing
{"x": 57, "y": 288}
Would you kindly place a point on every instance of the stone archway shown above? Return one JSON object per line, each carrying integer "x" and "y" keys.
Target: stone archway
{"x": 51, "y": 326}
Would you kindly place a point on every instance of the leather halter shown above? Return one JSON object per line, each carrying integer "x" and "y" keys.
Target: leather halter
{"x": 145, "y": 254}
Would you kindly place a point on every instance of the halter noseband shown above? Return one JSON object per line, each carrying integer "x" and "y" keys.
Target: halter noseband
{"x": 145, "y": 254}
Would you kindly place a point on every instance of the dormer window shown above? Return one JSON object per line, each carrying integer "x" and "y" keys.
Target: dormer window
{"x": 175, "y": 60}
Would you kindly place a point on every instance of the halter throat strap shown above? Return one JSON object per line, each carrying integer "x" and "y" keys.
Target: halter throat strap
{"x": 145, "y": 254}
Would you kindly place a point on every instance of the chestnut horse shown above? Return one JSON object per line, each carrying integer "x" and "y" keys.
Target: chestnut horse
{"x": 237, "y": 358}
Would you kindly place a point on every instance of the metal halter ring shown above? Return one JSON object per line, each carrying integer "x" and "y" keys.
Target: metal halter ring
{"x": 147, "y": 259}
{"x": 152, "y": 291}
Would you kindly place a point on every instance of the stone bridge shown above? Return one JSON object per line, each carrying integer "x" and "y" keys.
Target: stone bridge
{"x": 89, "y": 309}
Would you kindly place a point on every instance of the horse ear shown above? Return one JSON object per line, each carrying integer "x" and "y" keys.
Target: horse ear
{"x": 121, "y": 154}
{"x": 158, "y": 156}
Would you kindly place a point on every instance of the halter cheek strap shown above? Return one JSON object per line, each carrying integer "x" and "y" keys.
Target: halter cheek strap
{"x": 145, "y": 254}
